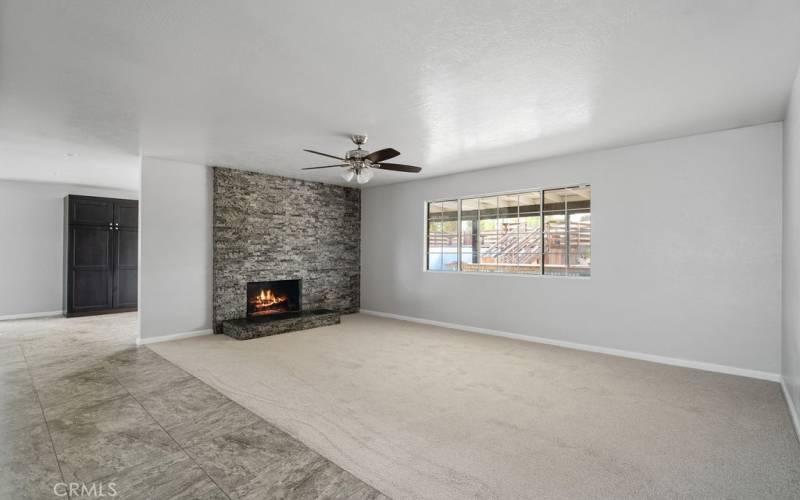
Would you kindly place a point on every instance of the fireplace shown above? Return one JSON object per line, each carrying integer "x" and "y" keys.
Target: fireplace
{"x": 268, "y": 299}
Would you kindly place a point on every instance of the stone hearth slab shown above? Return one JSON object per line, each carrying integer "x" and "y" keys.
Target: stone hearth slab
{"x": 243, "y": 329}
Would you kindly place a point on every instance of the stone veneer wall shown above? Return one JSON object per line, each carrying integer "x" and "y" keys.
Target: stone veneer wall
{"x": 270, "y": 228}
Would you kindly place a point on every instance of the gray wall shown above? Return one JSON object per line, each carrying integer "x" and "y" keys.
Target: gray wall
{"x": 32, "y": 255}
{"x": 175, "y": 253}
{"x": 791, "y": 250}
{"x": 271, "y": 228}
{"x": 686, "y": 237}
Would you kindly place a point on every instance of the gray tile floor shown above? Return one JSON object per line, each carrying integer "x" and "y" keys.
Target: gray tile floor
{"x": 80, "y": 403}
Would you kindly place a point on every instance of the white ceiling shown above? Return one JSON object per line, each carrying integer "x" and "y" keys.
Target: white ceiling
{"x": 453, "y": 85}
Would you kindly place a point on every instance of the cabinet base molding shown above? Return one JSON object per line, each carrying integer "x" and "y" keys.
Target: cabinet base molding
{"x": 97, "y": 313}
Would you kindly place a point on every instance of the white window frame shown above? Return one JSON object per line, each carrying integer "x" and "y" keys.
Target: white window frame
{"x": 459, "y": 199}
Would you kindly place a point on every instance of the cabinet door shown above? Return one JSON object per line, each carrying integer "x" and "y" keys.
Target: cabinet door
{"x": 126, "y": 267}
{"x": 126, "y": 213}
{"x": 90, "y": 266}
{"x": 89, "y": 210}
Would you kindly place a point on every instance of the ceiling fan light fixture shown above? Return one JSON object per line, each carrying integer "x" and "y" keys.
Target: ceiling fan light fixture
{"x": 348, "y": 175}
{"x": 364, "y": 175}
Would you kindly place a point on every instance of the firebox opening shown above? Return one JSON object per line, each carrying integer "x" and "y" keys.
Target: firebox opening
{"x": 270, "y": 298}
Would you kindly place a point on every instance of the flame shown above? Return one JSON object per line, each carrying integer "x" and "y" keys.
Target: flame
{"x": 266, "y": 299}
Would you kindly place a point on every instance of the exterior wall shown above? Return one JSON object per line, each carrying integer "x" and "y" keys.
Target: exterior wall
{"x": 271, "y": 228}
{"x": 685, "y": 252}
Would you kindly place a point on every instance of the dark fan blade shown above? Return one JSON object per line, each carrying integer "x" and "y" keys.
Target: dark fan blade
{"x": 399, "y": 168}
{"x": 326, "y": 166}
{"x": 382, "y": 154}
{"x": 323, "y": 154}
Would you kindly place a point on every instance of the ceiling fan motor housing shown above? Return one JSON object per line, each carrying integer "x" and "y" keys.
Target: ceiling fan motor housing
{"x": 356, "y": 154}
{"x": 355, "y": 157}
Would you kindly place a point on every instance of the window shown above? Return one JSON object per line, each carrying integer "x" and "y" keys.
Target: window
{"x": 442, "y": 236}
{"x": 536, "y": 232}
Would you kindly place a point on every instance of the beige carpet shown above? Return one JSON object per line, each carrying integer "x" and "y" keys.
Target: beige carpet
{"x": 427, "y": 412}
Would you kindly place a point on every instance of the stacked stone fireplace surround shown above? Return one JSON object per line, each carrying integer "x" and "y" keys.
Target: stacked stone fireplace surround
{"x": 268, "y": 227}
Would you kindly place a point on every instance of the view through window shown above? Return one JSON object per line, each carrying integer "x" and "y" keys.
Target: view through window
{"x": 537, "y": 232}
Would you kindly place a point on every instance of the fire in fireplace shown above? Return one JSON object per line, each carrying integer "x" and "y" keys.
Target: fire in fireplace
{"x": 270, "y": 298}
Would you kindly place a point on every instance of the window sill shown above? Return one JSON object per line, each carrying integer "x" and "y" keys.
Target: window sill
{"x": 512, "y": 275}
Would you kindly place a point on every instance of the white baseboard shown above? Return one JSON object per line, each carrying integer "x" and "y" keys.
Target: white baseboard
{"x": 792, "y": 409}
{"x": 174, "y": 336}
{"x": 699, "y": 365}
{"x": 8, "y": 317}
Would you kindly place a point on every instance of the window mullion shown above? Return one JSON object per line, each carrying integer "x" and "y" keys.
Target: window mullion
{"x": 566, "y": 228}
{"x": 478, "y": 240}
{"x": 541, "y": 232}
{"x": 458, "y": 235}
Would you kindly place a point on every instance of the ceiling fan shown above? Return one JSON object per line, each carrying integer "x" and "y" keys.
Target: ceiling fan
{"x": 361, "y": 164}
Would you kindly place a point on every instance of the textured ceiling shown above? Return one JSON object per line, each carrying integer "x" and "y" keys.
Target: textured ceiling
{"x": 453, "y": 85}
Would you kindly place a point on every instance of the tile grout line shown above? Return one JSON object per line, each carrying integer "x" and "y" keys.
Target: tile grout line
{"x": 170, "y": 435}
{"x": 44, "y": 417}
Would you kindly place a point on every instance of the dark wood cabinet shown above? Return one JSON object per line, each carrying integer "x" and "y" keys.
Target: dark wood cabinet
{"x": 101, "y": 255}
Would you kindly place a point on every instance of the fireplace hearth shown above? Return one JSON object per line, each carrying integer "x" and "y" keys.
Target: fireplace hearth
{"x": 268, "y": 300}
{"x": 275, "y": 307}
